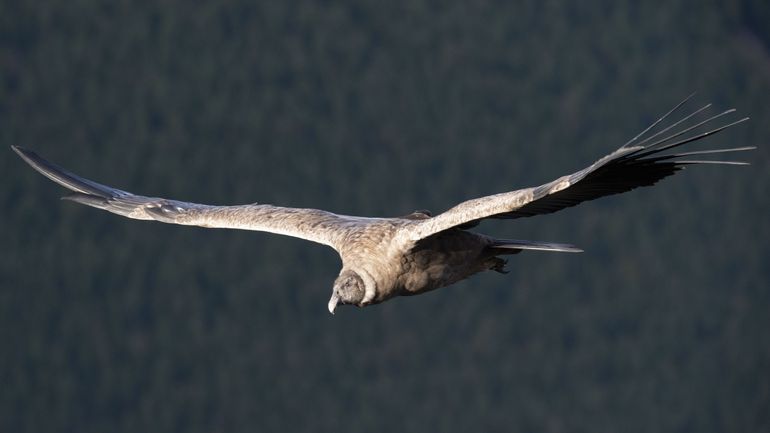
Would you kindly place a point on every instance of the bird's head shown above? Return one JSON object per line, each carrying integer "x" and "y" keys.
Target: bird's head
{"x": 348, "y": 289}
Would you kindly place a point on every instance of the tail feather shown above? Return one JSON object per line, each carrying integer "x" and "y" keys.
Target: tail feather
{"x": 516, "y": 246}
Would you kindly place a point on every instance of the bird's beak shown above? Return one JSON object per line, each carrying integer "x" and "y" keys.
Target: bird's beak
{"x": 333, "y": 302}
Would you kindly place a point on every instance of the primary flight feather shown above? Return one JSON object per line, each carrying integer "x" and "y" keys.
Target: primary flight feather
{"x": 387, "y": 257}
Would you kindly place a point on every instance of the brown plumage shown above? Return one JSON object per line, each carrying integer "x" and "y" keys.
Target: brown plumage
{"x": 416, "y": 253}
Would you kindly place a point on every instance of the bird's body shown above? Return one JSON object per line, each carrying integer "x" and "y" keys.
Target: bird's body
{"x": 409, "y": 255}
{"x": 446, "y": 258}
{"x": 398, "y": 269}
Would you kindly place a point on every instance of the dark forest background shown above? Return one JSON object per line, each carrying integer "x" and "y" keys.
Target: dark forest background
{"x": 378, "y": 108}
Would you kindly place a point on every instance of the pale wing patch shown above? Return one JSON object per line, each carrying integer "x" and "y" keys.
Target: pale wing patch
{"x": 560, "y": 185}
{"x": 470, "y": 210}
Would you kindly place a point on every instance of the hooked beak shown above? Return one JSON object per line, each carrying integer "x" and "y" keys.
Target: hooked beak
{"x": 333, "y": 302}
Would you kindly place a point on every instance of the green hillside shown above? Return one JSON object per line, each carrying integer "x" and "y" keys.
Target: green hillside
{"x": 379, "y": 108}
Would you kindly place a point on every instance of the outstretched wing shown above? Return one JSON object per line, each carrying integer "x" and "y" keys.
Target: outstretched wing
{"x": 310, "y": 224}
{"x": 642, "y": 161}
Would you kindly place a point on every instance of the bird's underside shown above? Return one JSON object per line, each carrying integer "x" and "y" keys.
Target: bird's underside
{"x": 415, "y": 253}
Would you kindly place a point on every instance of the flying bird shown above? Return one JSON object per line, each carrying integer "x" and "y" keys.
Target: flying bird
{"x": 387, "y": 257}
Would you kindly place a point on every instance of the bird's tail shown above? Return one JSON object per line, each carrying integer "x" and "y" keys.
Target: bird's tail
{"x": 514, "y": 246}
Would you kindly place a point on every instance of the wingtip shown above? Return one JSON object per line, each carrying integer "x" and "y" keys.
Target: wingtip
{"x": 24, "y": 153}
{"x": 696, "y": 162}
